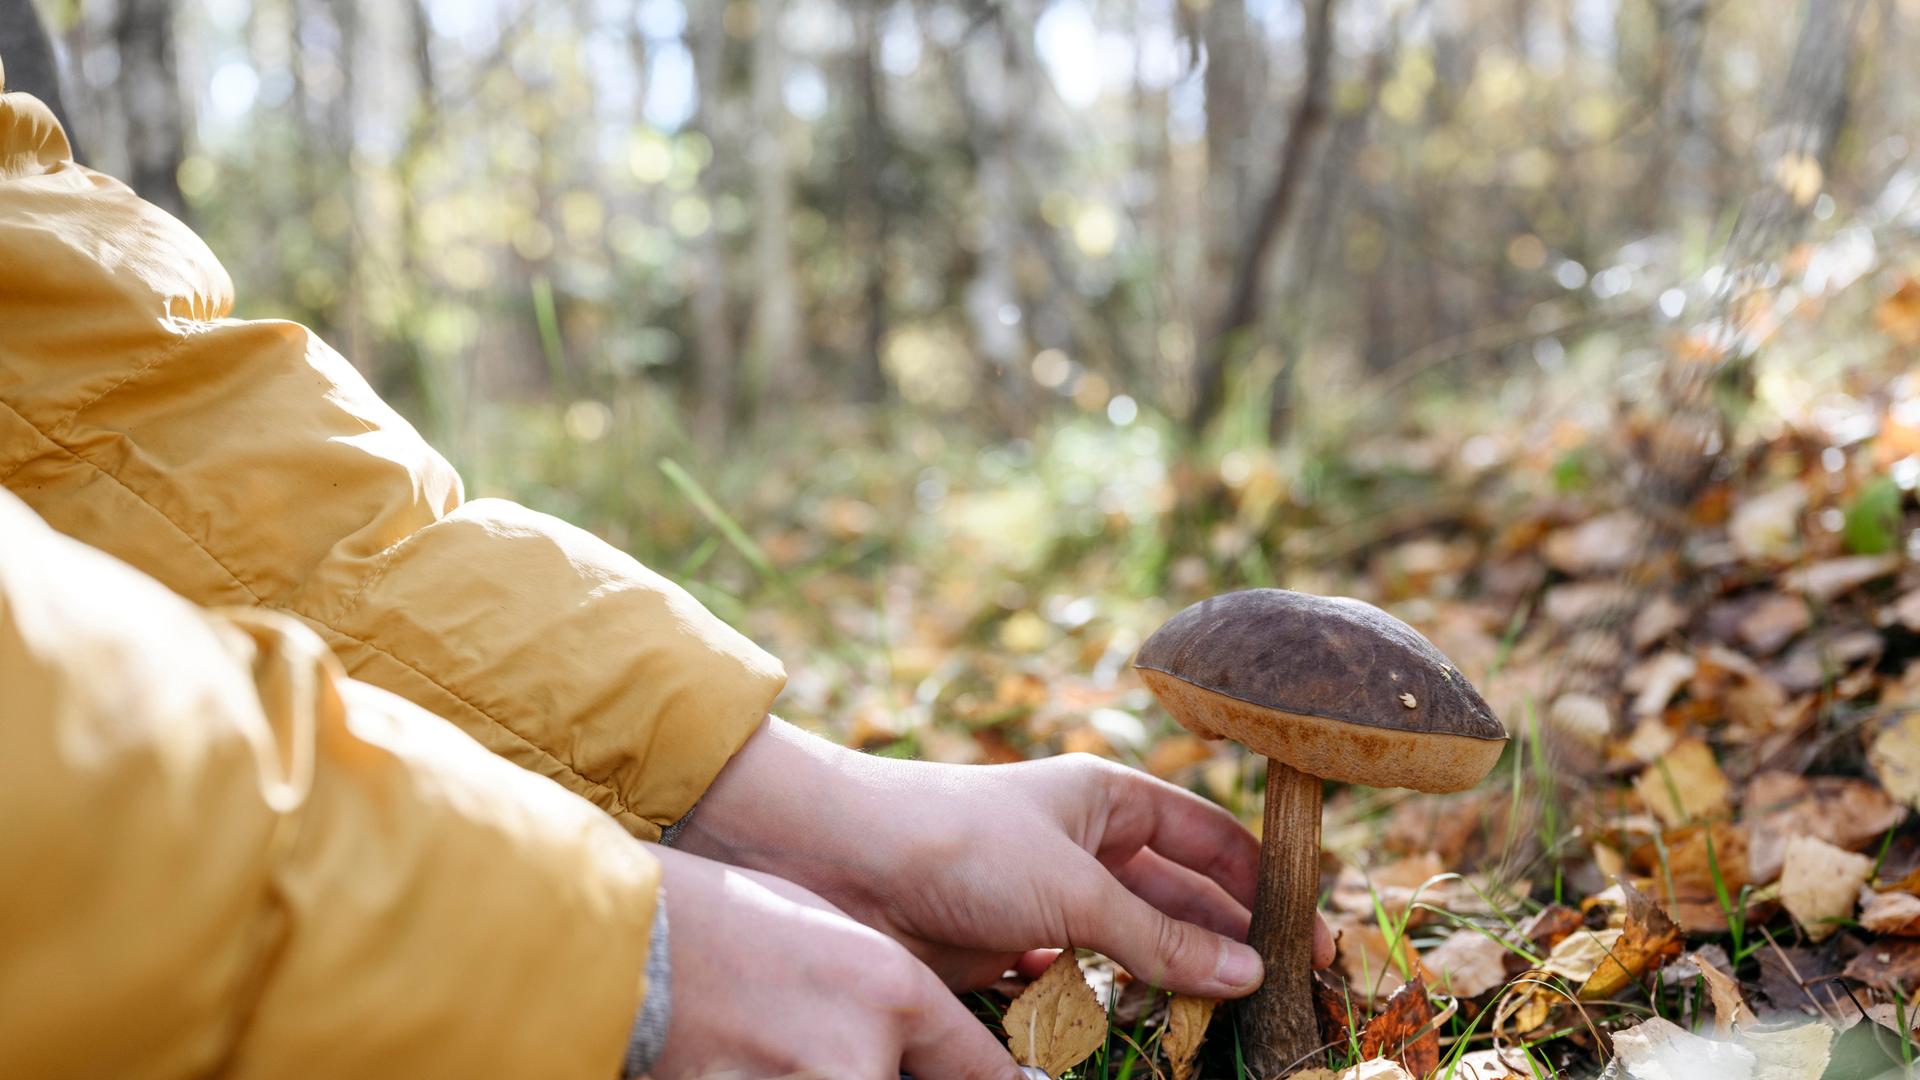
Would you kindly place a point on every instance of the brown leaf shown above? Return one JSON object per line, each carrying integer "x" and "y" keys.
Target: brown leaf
{"x": 1647, "y": 940}
{"x": 1371, "y": 968}
{"x": 1729, "y": 1007}
{"x": 1795, "y": 979}
{"x": 1187, "y": 1020}
{"x": 1605, "y": 543}
{"x": 1685, "y": 785}
{"x": 1397, "y": 885}
{"x": 1819, "y": 884}
{"x": 1891, "y": 965}
{"x": 1773, "y": 621}
{"x": 1056, "y": 1022}
{"x": 1844, "y": 811}
{"x": 1896, "y": 913}
{"x": 1694, "y": 858}
{"x": 1404, "y": 1031}
{"x": 1827, "y": 580}
{"x": 1468, "y": 964}
{"x": 1551, "y": 926}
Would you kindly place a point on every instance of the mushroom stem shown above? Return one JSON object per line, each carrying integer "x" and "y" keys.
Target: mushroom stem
{"x": 1278, "y": 1027}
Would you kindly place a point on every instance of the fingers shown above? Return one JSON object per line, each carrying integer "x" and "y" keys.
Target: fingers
{"x": 1173, "y": 955}
{"x": 1146, "y": 811}
{"x": 1034, "y": 962}
{"x": 1183, "y": 894}
{"x": 944, "y": 1042}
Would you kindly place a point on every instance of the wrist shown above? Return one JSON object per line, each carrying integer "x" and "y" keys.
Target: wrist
{"x": 811, "y": 811}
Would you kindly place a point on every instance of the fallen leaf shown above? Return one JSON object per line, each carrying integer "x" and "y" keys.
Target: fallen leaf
{"x": 1799, "y": 1052}
{"x": 1605, "y": 543}
{"x": 1397, "y": 886}
{"x": 1906, "y": 610}
{"x": 1685, "y": 784}
{"x": 1467, "y": 964}
{"x": 1796, "y": 980}
{"x": 1729, "y": 1007}
{"x": 1774, "y": 621}
{"x": 1819, "y": 884}
{"x": 1187, "y": 1020}
{"x": 1655, "y": 680}
{"x": 1892, "y": 965}
{"x": 1660, "y": 1049}
{"x": 1507, "y": 1063}
{"x": 1827, "y": 580}
{"x": 1378, "y": 1069}
{"x": 1895, "y": 757}
{"x": 1550, "y": 927}
{"x": 1888, "y": 1015}
{"x": 1580, "y": 953}
{"x": 1404, "y": 1031}
{"x": 1844, "y": 811}
{"x": 1373, "y": 970}
{"x": 1056, "y": 1022}
{"x": 1896, "y": 913}
{"x": 1691, "y": 868}
{"x": 1649, "y": 937}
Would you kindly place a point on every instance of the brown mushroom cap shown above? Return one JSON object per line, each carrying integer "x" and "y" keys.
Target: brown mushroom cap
{"x": 1331, "y": 686}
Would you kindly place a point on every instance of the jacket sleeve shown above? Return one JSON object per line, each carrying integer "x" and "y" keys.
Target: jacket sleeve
{"x": 224, "y": 857}
{"x": 246, "y": 463}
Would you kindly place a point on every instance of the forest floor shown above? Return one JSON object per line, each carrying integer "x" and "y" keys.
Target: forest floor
{"x": 1712, "y": 870}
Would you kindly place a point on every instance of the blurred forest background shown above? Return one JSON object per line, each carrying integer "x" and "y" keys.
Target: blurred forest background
{"x": 895, "y": 325}
{"x": 948, "y": 346}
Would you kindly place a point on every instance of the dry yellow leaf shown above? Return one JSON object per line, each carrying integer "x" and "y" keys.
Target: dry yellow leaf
{"x": 1647, "y": 940}
{"x": 1895, "y": 757}
{"x": 1819, "y": 884}
{"x": 1187, "y": 1019}
{"x": 1579, "y": 953}
{"x": 1686, "y": 784}
{"x": 1056, "y": 1022}
{"x": 1799, "y": 1052}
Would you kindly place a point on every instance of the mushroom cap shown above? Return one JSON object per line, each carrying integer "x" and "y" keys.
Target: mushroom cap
{"x": 1332, "y": 686}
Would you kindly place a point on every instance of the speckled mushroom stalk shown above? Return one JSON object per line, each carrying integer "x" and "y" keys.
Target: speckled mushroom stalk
{"x": 1326, "y": 688}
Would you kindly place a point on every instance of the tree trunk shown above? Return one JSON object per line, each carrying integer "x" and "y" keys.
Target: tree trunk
{"x": 776, "y": 314}
{"x": 149, "y": 91}
{"x": 31, "y": 65}
{"x": 715, "y": 376}
{"x": 1226, "y": 346}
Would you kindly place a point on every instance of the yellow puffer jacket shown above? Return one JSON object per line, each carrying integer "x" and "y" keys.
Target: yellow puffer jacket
{"x": 219, "y": 852}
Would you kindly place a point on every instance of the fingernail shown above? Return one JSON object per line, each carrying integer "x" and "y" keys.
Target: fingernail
{"x": 1239, "y": 966}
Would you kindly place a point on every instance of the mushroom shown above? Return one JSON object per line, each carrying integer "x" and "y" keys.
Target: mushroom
{"x": 1326, "y": 688}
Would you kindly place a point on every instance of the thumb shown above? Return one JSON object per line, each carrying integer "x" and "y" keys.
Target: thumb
{"x": 1166, "y": 952}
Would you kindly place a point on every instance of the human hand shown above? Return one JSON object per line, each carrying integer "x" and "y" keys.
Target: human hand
{"x": 971, "y": 867}
{"x": 771, "y": 980}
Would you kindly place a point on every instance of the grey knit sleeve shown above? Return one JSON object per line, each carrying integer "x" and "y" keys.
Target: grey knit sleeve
{"x": 649, "y": 1033}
